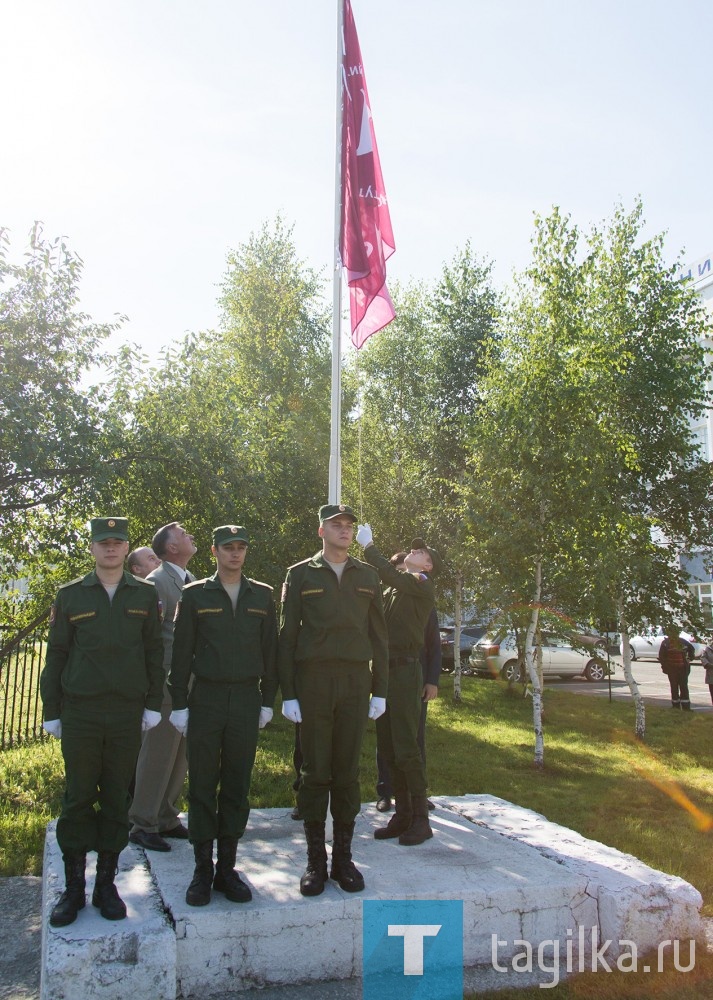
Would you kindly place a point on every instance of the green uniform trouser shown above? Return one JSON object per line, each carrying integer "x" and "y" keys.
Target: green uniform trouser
{"x": 221, "y": 743}
{"x": 100, "y": 744}
{"x": 334, "y": 702}
{"x": 397, "y": 728}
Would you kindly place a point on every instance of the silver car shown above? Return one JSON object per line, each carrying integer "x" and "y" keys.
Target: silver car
{"x": 496, "y": 653}
{"x": 646, "y": 647}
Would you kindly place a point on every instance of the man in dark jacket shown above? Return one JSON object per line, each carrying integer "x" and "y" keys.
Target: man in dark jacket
{"x": 675, "y": 655}
{"x": 408, "y": 601}
{"x": 431, "y": 660}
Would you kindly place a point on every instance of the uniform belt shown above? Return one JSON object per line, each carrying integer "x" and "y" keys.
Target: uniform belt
{"x": 241, "y": 681}
{"x": 402, "y": 661}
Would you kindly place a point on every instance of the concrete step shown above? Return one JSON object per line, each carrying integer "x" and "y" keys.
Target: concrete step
{"x": 520, "y": 878}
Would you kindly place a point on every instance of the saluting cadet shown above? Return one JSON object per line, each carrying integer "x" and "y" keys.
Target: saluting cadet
{"x": 408, "y": 600}
{"x": 102, "y": 683}
{"x": 225, "y": 634}
{"x": 332, "y": 624}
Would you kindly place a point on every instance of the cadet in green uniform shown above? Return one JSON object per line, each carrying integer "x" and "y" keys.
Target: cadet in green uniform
{"x": 408, "y": 601}
{"x": 225, "y": 634}
{"x": 332, "y": 625}
{"x": 101, "y": 685}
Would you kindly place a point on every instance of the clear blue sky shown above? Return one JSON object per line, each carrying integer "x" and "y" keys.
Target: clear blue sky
{"x": 158, "y": 134}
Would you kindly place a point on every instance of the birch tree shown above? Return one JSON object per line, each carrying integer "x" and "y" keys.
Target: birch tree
{"x": 589, "y": 399}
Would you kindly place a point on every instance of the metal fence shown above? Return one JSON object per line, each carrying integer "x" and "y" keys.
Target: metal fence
{"x": 21, "y": 662}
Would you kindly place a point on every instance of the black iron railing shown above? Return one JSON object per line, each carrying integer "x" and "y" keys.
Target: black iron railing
{"x": 21, "y": 662}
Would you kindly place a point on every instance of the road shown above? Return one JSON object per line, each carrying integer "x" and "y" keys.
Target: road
{"x": 653, "y": 684}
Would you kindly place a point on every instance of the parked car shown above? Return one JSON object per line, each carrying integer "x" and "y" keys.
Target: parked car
{"x": 587, "y": 640}
{"x": 468, "y": 635}
{"x": 646, "y": 647}
{"x": 497, "y": 653}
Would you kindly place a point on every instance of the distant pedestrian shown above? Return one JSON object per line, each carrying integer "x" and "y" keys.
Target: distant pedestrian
{"x": 707, "y": 661}
{"x": 675, "y": 655}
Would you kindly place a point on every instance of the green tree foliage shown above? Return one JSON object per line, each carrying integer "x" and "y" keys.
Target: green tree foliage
{"x": 418, "y": 394}
{"x": 587, "y": 478}
{"x": 383, "y": 461}
{"x": 233, "y": 424}
{"x": 57, "y": 440}
{"x": 52, "y": 429}
{"x": 407, "y": 444}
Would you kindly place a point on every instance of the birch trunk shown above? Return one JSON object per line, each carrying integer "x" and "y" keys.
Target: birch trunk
{"x": 640, "y": 725}
{"x": 530, "y": 661}
{"x": 456, "y": 638}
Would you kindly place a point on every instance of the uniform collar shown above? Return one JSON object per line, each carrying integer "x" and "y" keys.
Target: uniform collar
{"x": 319, "y": 561}
{"x": 213, "y": 582}
{"x": 92, "y": 580}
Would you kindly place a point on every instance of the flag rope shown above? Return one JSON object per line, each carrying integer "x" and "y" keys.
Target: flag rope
{"x": 360, "y": 412}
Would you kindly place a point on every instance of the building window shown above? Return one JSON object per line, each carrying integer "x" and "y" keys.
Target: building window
{"x": 704, "y": 593}
{"x": 700, "y": 433}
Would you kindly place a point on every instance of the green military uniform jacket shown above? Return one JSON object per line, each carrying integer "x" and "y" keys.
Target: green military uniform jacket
{"x": 219, "y": 645}
{"x": 324, "y": 619}
{"x": 408, "y": 601}
{"x": 102, "y": 649}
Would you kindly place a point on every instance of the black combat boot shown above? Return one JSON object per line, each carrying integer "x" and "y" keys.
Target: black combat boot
{"x": 198, "y": 892}
{"x": 105, "y": 895}
{"x": 312, "y": 882}
{"x": 400, "y": 821}
{"x": 420, "y": 828}
{"x": 72, "y": 899}
{"x": 344, "y": 871}
{"x": 226, "y": 878}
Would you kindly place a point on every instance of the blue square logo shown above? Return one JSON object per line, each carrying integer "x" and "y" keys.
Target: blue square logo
{"x": 412, "y": 949}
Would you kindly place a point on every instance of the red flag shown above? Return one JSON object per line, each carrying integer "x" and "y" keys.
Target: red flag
{"x": 366, "y": 239}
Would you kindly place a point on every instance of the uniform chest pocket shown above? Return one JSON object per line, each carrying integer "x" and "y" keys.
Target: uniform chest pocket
{"x": 365, "y": 593}
{"x": 311, "y": 593}
{"x": 211, "y": 622}
{"x": 133, "y": 621}
{"x": 81, "y": 619}
{"x": 254, "y": 617}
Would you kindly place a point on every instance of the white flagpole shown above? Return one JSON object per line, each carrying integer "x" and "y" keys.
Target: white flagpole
{"x": 335, "y": 460}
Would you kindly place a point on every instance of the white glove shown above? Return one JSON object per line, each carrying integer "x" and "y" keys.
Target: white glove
{"x": 377, "y": 707}
{"x": 149, "y": 720}
{"x": 364, "y": 536}
{"x": 179, "y": 720}
{"x": 291, "y": 710}
{"x": 53, "y": 727}
{"x": 265, "y": 717}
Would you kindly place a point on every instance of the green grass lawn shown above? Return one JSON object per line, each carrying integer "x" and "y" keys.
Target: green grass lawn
{"x": 654, "y": 801}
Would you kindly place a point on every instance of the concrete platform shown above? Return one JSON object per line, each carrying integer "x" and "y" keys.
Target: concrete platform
{"x": 520, "y": 878}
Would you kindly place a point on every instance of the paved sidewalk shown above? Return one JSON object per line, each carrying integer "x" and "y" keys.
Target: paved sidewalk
{"x": 21, "y": 936}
